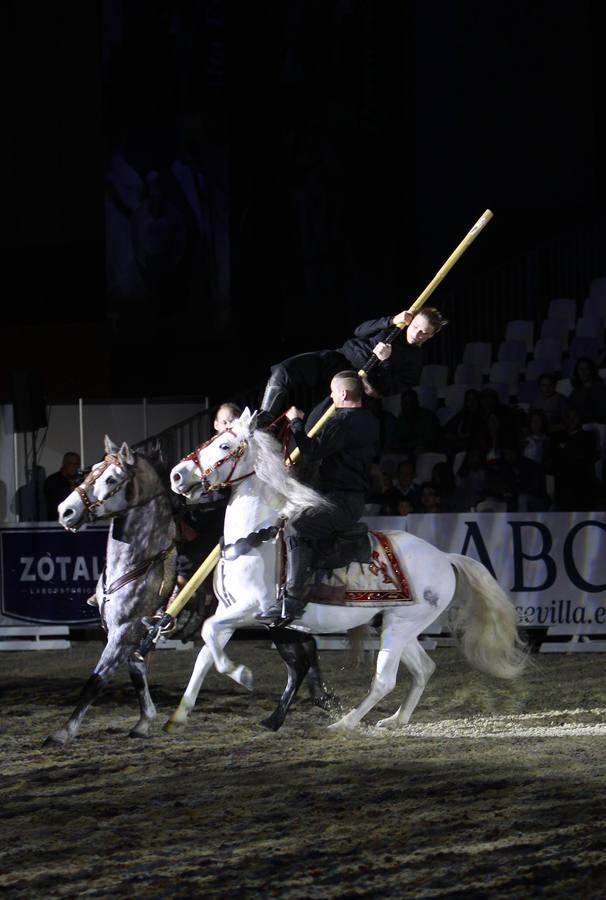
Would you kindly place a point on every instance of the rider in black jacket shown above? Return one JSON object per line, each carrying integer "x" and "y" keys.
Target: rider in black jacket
{"x": 400, "y": 369}
{"x": 346, "y": 447}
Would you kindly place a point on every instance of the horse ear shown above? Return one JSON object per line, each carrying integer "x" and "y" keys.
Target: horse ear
{"x": 245, "y": 417}
{"x": 125, "y": 455}
{"x": 253, "y": 420}
{"x": 248, "y": 420}
{"x": 110, "y": 447}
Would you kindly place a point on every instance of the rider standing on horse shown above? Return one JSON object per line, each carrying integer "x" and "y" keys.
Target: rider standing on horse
{"x": 346, "y": 447}
{"x": 400, "y": 371}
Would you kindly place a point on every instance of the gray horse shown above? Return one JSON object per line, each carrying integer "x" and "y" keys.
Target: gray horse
{"x": 131, "y": 489}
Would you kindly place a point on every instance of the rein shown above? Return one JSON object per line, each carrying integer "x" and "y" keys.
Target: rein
{"x": 139, "y": 570}
{"x": 236, "y": 454}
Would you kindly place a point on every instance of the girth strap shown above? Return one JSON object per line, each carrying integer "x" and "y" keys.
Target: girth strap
{"x": 246, "y": 544}
{"x": 142, "y": 569}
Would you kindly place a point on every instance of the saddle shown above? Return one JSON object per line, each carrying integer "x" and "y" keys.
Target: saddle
{"x": 377, "y": 579}
{"x": 343, "y": 548}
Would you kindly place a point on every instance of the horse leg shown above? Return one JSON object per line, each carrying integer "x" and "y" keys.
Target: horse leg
{"x": 295, "y": 651}
{"x": 318, "y": 691}
{"x": 113, "y": 654}
{"x": 202, "y": 667}
{"x": 384, "y": 681}
{"x": 421, "y": 667}
{"x": 216, "y": 632}
{"x": 138, "y": 672}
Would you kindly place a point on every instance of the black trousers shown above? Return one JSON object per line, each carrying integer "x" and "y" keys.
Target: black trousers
{"x": 314, "y": 525}
{"x": 307, "y": 376}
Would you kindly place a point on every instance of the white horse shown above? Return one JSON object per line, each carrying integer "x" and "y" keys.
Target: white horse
{"x": 263, "y": 491}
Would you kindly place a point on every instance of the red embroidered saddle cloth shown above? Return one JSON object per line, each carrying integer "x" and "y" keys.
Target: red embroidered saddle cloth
{"x": 381, "y": 582}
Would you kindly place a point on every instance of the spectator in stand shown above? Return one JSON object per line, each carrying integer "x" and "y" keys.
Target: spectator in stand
{"x": 380, "y": 485}
{"x": 536, "y": 440}
{"x": 524, "y": 482}
{"x": 60, "y": 484}
{"x": 443, "y": 480}
{"x": 404, "y": 488}
{"x": 466, "y": 427}
{"x": 573, "y": 457}
{"x": 471, "y": 480}
{"x": 588, "y": 395}
{"x": 417, "y": 429}
{"x": 551, "y": 402}
{"x": 430, "y": 498}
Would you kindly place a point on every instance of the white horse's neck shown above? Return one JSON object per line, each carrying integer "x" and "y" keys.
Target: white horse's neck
{"x": 251, "y": 506}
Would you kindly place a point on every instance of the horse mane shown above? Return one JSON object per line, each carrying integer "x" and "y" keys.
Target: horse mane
{"x": 158, "y": 464}
{"x": 291, "y": 495}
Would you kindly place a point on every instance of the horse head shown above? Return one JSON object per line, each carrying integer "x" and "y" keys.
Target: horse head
{"x": 222, "y": 461}
{"x": 106, "y": 491}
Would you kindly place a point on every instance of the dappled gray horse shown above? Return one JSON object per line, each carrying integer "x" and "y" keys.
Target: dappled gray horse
{"x": 131, "y": 489}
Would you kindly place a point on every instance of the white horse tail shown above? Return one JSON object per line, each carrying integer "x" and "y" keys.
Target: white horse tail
{"x": 484, "y": 621}
{"x": 357, "y": 636}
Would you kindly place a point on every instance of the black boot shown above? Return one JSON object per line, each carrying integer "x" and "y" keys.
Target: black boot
{"x": 274, "y": 402}
{"x": 300, "y": 557}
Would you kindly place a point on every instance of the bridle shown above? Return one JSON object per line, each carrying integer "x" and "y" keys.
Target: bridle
{"x": 91, "y": 505}
{"x": 236, "y": 454}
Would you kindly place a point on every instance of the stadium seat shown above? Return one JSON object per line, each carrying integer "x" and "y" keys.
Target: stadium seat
{"x": 527, "y": 392}
{"x": 506, "y": 373}
{"x": 589, "y": 326}
{"x": 520, "y": 330}
{"x": 473, "y": 376}
{"x": 563, "y": 308}
{"x": 512, "y": 351}
{"x": 434, "y": 376}
{"x": 478, "y": 353}
{"x": 595, "y": 306}
{"x": 597, "y": 288}
{"x": 557, "y": 329}
{"x": 454, "y": 396}
{"x": 584, "y": 346}
{"x": 564, "y": 386}
{"x": 428, "y": 396}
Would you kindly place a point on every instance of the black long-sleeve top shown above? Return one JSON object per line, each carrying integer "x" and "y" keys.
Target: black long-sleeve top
{"x": 397, "y": 374}
{"x": 347, "y": 445}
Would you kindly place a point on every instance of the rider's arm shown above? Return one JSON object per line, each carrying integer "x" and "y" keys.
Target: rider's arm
{"x": 331, "y": 439}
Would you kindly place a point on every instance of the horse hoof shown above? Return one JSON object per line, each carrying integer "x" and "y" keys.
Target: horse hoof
{"x": 173, "y": 725}
{"x": 390, "y": 723}
{"x": 326, "y": 702}
{"x": 57, "y": 739}
{"x": 138, "y": 734}
{"x": 342, "y": 726}
{"x": 271, "y": 724}
{"x": 242, "y": 675}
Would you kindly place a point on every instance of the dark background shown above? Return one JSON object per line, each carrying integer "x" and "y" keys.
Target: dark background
{"x": 194, "y": 190}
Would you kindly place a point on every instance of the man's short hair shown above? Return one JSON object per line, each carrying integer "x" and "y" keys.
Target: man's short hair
{"x": 352, "y": 383}
{"x": 232, "y": 407}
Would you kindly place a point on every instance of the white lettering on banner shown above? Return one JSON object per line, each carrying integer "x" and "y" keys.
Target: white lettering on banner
{"x": 27, "y": 574}
{"x": 61, "y": 568}
{"x": 552, "y": 564}
{"x": 81, "y": 569}
{"x": 45, "y": 568}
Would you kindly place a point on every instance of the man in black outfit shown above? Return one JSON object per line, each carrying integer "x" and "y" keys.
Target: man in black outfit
{"x": 346, "y": 447}
{"x": 400, "y": 369}
{"x": 60, "y": 484}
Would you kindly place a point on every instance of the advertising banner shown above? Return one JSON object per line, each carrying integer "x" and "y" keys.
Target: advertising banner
{"x": 48, "y": 573}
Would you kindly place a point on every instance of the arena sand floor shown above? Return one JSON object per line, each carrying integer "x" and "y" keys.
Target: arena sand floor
{"x": 495, "y": 789}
